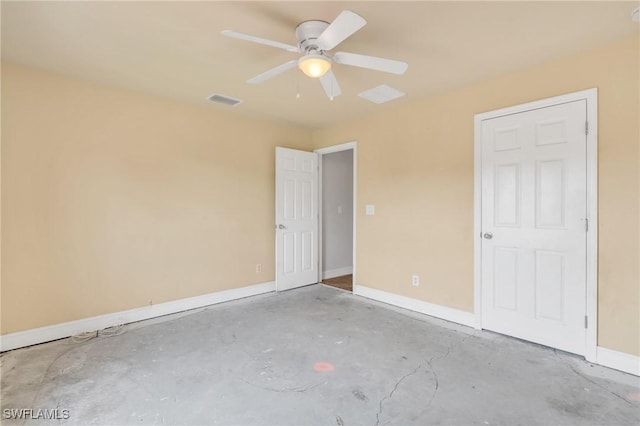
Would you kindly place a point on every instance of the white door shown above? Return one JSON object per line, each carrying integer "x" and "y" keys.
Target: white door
{"x": 533, "y": 224}
{"x": 296, "y": 218}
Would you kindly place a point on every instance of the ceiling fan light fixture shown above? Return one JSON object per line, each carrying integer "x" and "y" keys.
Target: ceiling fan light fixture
{"x": 314, "y": 65}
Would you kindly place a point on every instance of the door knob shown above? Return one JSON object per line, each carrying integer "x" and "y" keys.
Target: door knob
{"x": 487, "y": 235}
{"x": 281, "y": 226}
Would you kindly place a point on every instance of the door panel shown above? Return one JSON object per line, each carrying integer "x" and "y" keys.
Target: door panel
{"x": 289, "y": 256}
{"x": 550, "y": 194}
{"x": 534, "y": 205}
{"x": 505, "y": 284}
{"x": 307, "y": 251}
{"x": 507, "y": 195}
{"x": 550, "y": 284}
{"x": 296, "y": 218}
{"x": 289, "y": 194}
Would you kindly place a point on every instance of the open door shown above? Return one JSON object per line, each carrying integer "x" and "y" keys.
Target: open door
{"x": 296, "y": 218}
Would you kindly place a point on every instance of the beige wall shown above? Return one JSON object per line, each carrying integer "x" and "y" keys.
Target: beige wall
{"x": 112, "y": 199}
{"x": 415, "y": 163}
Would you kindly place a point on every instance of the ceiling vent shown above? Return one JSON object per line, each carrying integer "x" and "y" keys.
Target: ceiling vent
{"x": 222, "y": 99}
{"x": 381, "y": 94}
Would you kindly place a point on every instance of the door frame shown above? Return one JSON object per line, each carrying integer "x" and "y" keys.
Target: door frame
{"x": 329, "y": 150}
{"x": 591, "y": 97}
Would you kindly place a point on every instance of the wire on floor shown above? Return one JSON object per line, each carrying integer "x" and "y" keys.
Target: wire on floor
{"x": 105, "y": 332}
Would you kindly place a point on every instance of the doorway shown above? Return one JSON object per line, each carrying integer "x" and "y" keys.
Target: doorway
{"x": 535, "y": 197}
{"x": 337, "y": 215}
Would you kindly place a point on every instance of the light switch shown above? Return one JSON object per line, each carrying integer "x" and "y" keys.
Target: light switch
{"x": 339, "y": 209}
{"x": 370, "y": 209}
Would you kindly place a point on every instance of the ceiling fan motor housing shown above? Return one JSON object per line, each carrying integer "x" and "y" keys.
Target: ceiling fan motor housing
{"x": 307, "y": 33}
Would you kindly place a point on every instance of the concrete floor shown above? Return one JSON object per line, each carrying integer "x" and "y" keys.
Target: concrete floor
{"x": 251, "y": 362}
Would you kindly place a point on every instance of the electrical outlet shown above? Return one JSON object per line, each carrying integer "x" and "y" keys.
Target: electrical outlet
{"x": 415, "y": 280}
{"x": 258, "y": 267}
{"x": 150, "y": 302}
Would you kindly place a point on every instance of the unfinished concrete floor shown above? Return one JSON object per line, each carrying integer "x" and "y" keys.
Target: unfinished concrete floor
{"x": 251, "y": 362}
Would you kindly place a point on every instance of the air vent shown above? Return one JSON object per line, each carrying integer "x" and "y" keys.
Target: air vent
{"x": 381, "y": 94}
{"x": 222, "y": 99}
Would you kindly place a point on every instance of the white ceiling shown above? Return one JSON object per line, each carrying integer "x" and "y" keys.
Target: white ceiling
{"x": 175, "y": 50}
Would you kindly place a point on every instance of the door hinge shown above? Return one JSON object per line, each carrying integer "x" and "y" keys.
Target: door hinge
{"x": 586, "y": 321}
{"x": 586, "y": 127}
{"x": 586, "y": 225}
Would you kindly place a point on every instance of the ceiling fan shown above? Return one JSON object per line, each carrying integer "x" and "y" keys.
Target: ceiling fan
{"x": 314, "y": 40}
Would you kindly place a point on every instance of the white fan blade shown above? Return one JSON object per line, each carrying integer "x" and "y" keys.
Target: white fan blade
{"x": 330, "y": 85}
{"x": 273, "y": 72}
{"x": 370, "y": 62}
{"x": 260, "y": 40}
{"x": 340, "y": 29}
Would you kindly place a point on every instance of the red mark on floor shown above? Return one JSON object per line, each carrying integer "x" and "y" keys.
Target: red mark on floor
{"x": 634, "y": 397}
{"x": 323, "y": 367}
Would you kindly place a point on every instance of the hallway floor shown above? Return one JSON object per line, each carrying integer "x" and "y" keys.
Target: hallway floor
{"x": 344, "y": 282}
{"x": 312, "y": 356}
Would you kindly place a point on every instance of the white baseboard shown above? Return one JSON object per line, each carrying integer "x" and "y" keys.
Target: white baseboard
{"x": 438, "y": 311}
{"x": 66, "y": 329}
{"x": 607, "y": 357}
{"x": 332, "y": 273}
{"x": 618, "y": 360}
